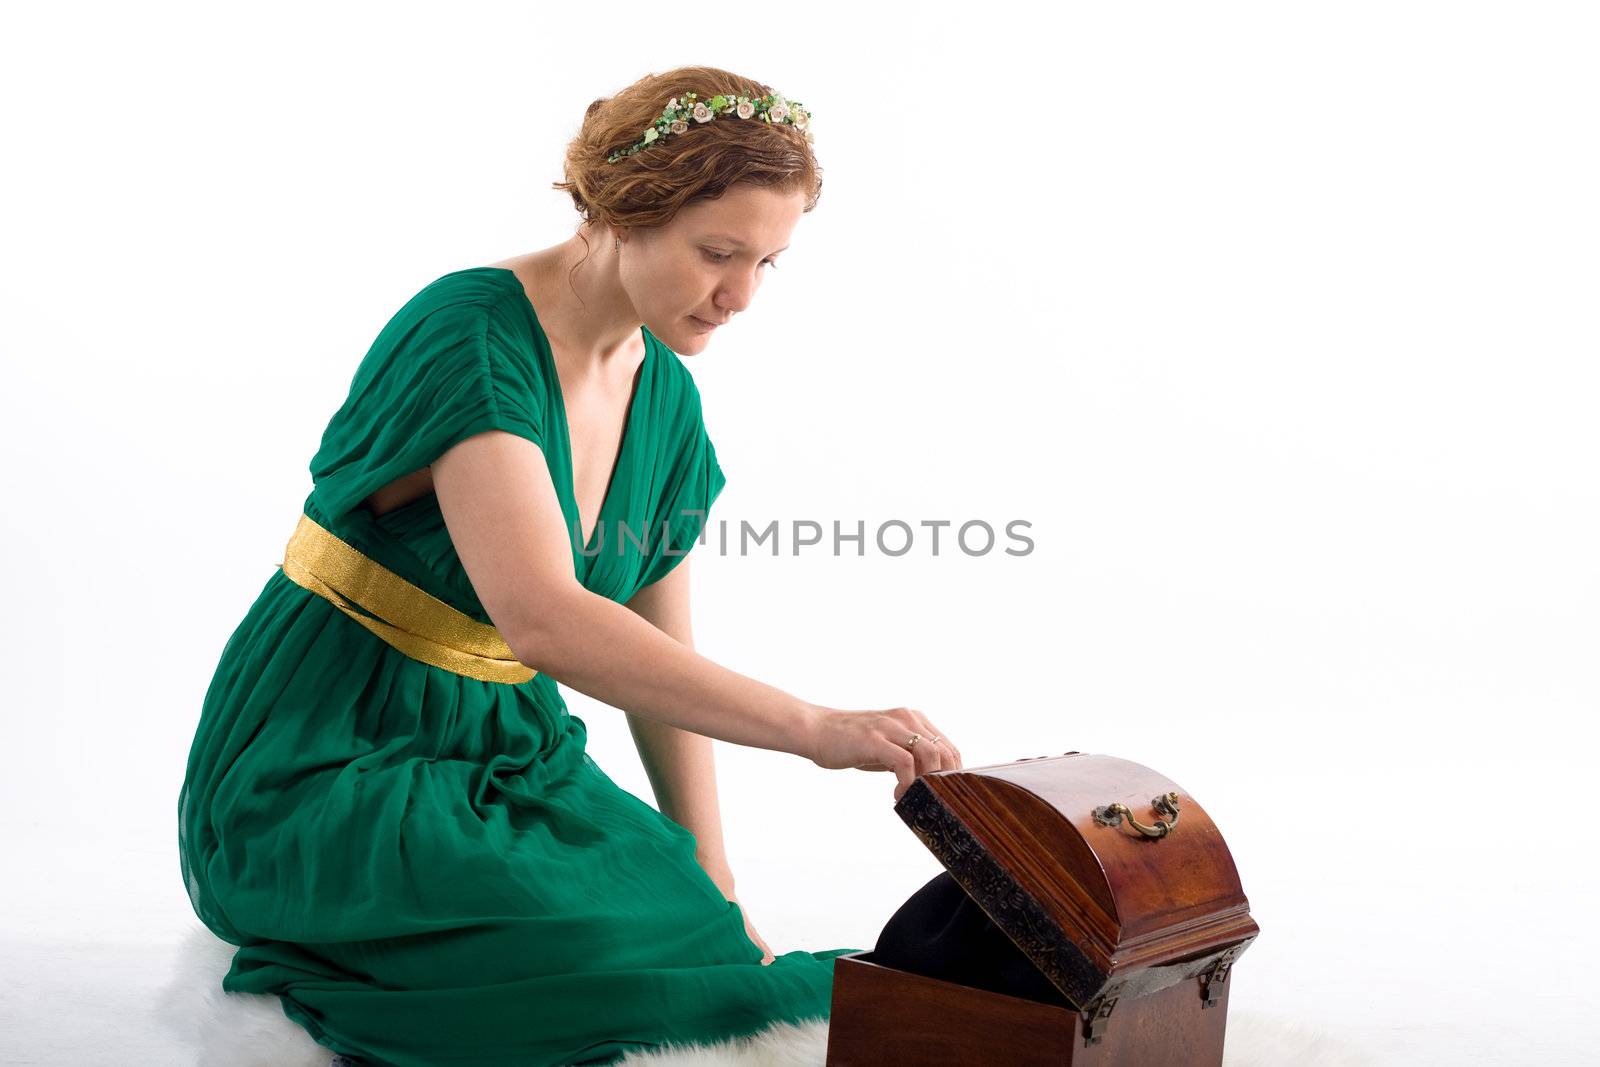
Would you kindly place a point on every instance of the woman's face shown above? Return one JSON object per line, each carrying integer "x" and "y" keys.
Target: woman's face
{"x": 704, "y": 267}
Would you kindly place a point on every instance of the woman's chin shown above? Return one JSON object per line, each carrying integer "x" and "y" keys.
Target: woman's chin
{"x": 692, "y": 341}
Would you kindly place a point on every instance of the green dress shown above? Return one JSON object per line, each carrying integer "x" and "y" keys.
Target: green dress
{"x": 427, "y": 868}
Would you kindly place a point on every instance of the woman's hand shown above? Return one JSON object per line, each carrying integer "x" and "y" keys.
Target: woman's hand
{"x": 723, "y": 877}
{"x": 750, "y": 931}
{"x": 876, "y": 741}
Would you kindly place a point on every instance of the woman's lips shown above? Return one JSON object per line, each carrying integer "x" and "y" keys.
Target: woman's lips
{"x": 705, "y": 327}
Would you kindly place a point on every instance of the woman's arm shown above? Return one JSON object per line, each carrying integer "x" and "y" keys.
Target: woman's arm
{"x": 505, "y": 521}
{"x": 681, "y": 765}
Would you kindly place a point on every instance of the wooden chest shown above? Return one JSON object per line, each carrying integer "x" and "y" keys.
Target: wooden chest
{"x": 1114, "y": 883}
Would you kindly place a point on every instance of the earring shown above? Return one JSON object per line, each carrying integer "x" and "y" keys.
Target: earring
{"x": 619, "y": 244}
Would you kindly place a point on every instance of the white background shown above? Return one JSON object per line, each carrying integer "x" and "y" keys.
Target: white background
{"x": 1277, "y": 323}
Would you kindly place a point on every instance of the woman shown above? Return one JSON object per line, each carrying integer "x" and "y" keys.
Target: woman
{"x": 387, "y": 805}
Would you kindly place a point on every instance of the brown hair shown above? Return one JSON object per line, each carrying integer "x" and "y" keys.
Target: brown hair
{"x": 651, "y": 186}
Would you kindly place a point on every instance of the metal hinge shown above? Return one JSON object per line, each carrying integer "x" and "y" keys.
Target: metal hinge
{"x": 1212, "y": 978}
{"x": 1097, "y": 1015}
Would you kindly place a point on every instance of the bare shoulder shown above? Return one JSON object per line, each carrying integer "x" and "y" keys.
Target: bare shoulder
{"x": 525, "y": 266}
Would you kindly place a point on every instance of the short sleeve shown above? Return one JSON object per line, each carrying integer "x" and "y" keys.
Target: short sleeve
{"x": 440, "y": 371}
{"x": 696, "y": 482}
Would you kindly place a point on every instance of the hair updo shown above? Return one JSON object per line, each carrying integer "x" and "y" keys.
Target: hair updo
{"x": 648, "y": 188}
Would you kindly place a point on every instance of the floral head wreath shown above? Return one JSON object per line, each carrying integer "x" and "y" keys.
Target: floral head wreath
{"x": 773, "y": 107}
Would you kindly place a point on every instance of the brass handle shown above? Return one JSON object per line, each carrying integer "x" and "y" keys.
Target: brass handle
{"x": 1165, "y": 804}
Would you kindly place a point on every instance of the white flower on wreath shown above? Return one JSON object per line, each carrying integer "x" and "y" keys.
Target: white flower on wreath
{"x": 702, "y": 113}
{"x": 679, "y": 126}
{"x": 778, "y": 112}
{"x": 802, "y": 119}
{"x": 746, "y": 108}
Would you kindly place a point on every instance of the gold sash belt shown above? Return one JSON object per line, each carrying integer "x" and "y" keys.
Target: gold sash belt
{"x": 411, "y": 619}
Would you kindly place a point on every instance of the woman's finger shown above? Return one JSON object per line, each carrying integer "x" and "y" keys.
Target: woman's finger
{"x": 902, "y": 763}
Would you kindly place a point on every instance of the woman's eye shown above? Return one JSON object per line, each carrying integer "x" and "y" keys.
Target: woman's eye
{"x": 719, "y": 257}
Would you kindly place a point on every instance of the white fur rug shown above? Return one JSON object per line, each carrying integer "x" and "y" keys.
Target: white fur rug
{"x": 251, "y": 1030}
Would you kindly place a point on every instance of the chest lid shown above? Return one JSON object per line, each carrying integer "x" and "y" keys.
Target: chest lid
{"x": 1108, "y": 875}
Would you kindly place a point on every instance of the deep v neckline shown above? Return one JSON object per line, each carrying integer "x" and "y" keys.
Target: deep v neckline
{"x": 630, "y": 417}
